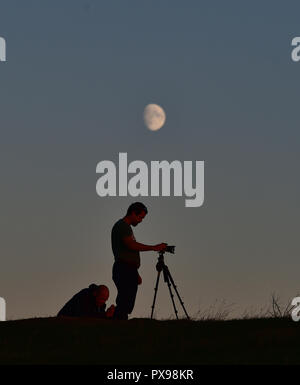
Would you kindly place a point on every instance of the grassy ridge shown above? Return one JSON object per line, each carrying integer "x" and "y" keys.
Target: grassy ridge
{"x": 144, "y": 341}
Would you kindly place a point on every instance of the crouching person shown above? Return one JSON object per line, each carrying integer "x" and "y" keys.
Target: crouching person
{"x": 89, "y": 302}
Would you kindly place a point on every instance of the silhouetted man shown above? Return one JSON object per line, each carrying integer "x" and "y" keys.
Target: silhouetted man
{"x": 126, "y": 251}
{"x": 89, "y": 302}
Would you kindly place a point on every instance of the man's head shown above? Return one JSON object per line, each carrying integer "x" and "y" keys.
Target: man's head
{"x": 101, "y": 294}
{"x": 136, "y": 213}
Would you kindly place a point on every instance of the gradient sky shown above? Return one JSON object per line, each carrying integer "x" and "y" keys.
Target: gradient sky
{"x": 72, "y": 92}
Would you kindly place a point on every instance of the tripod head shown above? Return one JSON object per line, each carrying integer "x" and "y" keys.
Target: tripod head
{"x": 161, "y": 262}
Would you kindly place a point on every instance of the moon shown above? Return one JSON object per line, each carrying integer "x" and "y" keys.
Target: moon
{"x": 154, "y": 117}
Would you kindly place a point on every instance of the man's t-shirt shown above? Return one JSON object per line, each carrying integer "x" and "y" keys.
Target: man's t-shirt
{"x": 121, "y": 252}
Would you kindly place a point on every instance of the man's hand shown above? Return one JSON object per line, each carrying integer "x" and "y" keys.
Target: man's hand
{"x": 110, "y": 311}
{"x": 132, "y": 244}
{"x": 160, "y": 247}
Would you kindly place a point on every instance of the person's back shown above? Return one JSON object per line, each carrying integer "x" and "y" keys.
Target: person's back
{"x": 83, "y": 304}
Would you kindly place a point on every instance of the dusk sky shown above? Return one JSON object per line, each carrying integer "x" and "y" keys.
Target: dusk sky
{"x": 77, "y": 77}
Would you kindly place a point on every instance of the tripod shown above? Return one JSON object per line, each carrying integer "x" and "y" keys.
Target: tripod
{"x": 162, "y": 267}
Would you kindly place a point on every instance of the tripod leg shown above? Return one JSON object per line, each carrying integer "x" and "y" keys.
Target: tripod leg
{"x": 155, "y": 293}
{"x": 175, "y": 288}
{"x": 166, "y": 278}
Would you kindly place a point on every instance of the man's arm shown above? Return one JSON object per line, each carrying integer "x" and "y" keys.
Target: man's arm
{"x": 132, "y": 244}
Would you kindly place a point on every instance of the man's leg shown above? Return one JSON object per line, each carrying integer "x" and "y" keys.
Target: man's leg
{"x": 125, "y": 279}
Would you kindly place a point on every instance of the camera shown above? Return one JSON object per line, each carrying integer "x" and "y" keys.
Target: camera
{"x": 170, "y": 249}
